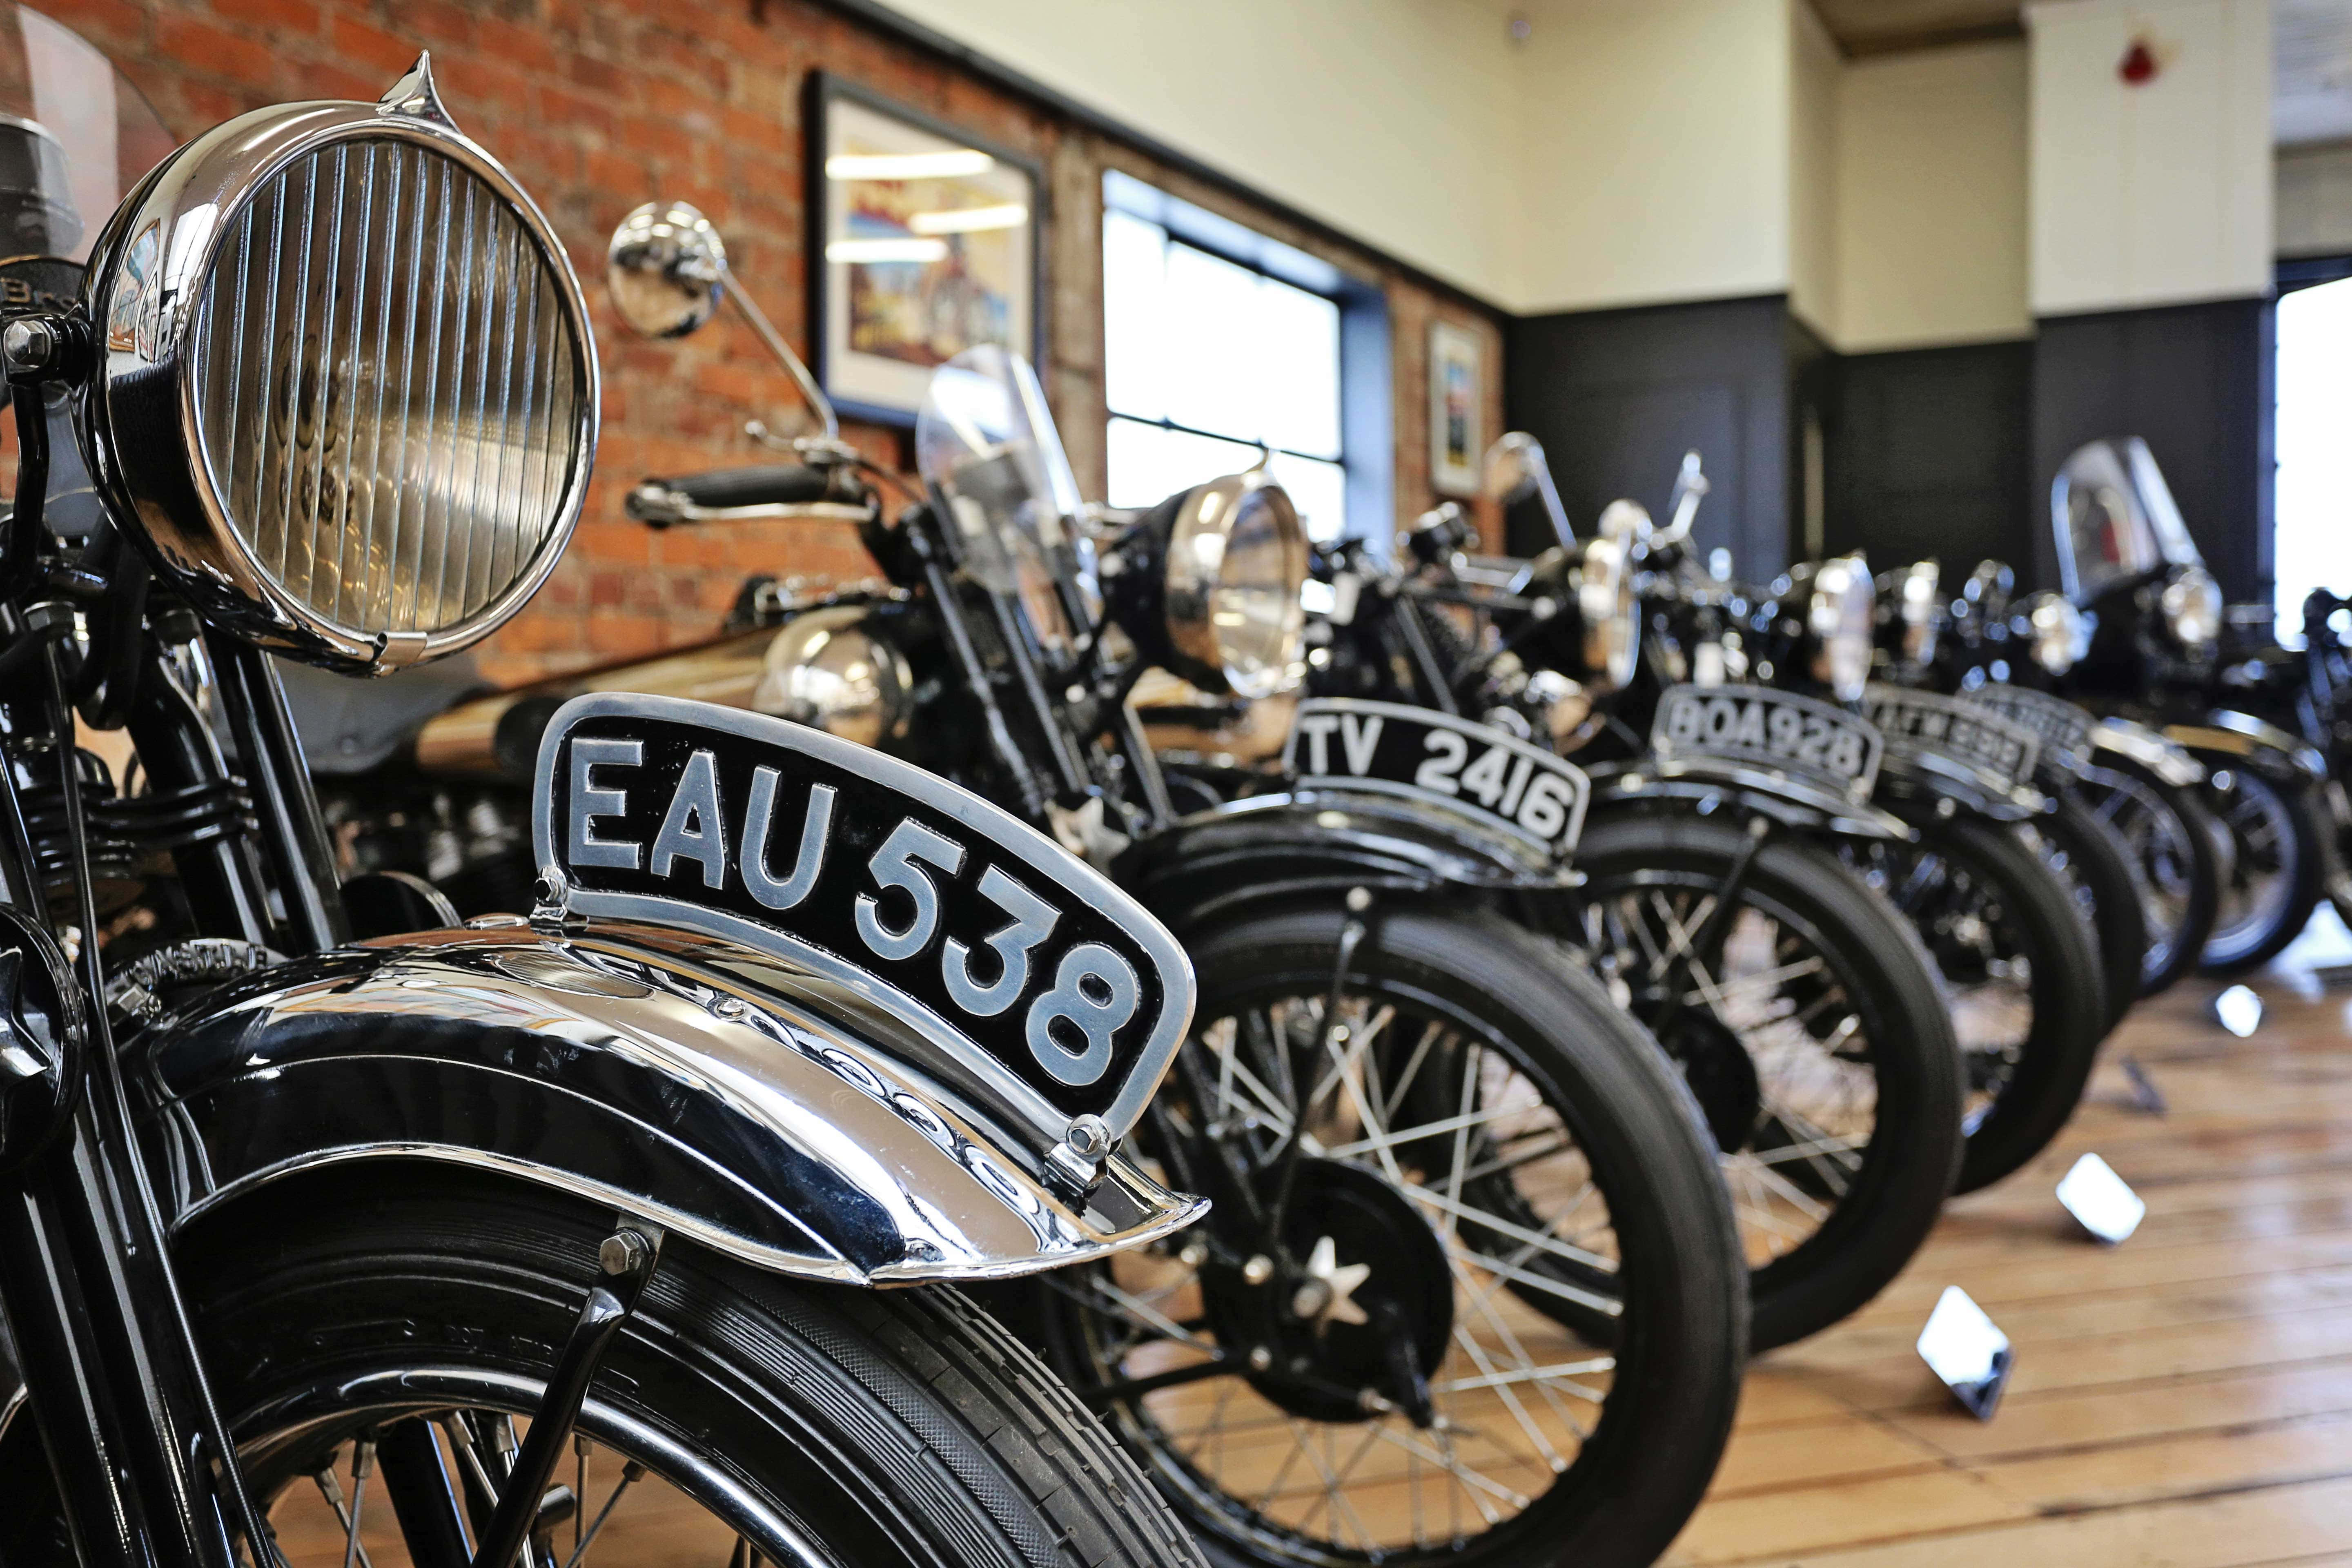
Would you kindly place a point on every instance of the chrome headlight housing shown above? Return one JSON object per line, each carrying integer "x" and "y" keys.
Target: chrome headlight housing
{"x": 2192, "y": 607}
{"x": 2058, "y": 634}
{"x": 1236, "y": 556}
{"x": 826, "y": 670}
{"x": 1839, "y": 614}
{"x": 345, "y": 380}
{"x": 1918, "y": 611}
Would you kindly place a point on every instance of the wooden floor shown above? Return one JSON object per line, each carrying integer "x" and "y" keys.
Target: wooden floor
{"x": 2184, "y": 1400}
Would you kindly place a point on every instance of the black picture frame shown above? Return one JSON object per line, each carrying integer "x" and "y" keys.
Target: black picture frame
{"x": 858, "y": 386}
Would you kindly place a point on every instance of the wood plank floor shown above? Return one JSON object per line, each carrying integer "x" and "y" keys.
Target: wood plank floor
{"x": 2182, "y": 1401}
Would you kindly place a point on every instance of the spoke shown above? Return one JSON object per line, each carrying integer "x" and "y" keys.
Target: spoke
{"x": 332, "y": 1490}
{"x": 1487, "y": 1221}
{"x": 1472, "y": 1483}
{"x": 1430, "y": 1033}
{"x": 1775, "y": 976}
{"x": 1344, "y": 1063}
{"x": 631, "y": 1472}
{"x": 1125, "y": 1306}
{"x": 1566, "y": 1369}
{"x": 1390, "y": 1139}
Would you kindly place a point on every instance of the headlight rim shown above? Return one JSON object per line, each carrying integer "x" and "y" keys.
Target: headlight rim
{"x": 2054, "y": 619}
{"x": 896, "y": 687}
{"x": 1187, "y": 593}
{"x": 1843, "y": 623}
{"x": 1608, "y": 610}
{"x": 2173, "y": 601}
{"x": 181, "y": 519}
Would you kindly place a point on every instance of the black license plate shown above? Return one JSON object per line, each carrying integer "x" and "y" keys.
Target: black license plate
{"x": 1056, "y": 988}
{"x": 2064, "y": 729}
{"x": 1928, "y": 721}
{"x": 1477, "y": 770}
{"x": 1757, "y": 726}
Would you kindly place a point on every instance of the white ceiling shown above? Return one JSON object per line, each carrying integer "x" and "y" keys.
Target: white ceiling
{"x": 2313, "y": 40}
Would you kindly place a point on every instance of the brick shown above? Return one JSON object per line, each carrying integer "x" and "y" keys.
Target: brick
{"x": 364, "y": 44}
{"x": 216, "y": 52}
{"x": 283, "y": 18}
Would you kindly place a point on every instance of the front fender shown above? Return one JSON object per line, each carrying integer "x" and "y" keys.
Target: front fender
{"x": 2167, "y": 760}
{"x": 2280, "y": 755}
{"x": 1324, "y": 843}
{"x": 1914, "y": 778}
{"x": 1704, "y": 782}
{"x": 768, "y": 1113}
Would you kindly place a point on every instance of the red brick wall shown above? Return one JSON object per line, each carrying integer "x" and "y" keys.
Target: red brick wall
{"x": 597, "y": 105}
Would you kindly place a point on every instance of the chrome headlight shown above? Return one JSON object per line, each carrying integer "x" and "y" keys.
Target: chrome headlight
{"x": 346, "y": 381}
{"x": 1602, "y": 578}
{"x": 2192, "y": 607}
{"x": 1844, "y": 603}
{"x": 1236, "y": 559}
{"x": 825, "y": 669}
{"x": 2060, "y": 634}
{"x": 1917, "y": 609}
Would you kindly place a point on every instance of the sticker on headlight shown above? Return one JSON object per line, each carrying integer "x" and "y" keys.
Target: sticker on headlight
{"x": 1489, "y": 774}
{"x": 1032, "y": 977}
{"x": 1761, "y": 727}
{"x": 1929, "y": 723}
{"x": 2064, "y": 729}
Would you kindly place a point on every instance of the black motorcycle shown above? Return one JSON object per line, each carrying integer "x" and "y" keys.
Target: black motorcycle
{"x": 1465, "y": 1235}
{"x": 517, "y": 1228}
{"x": 2127, "y": 560}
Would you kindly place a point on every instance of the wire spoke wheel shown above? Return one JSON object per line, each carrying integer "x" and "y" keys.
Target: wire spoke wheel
{"x": 1983, "y": 955}
{"x": 2262, "y": 882}
{"x": 2164, "y": 861}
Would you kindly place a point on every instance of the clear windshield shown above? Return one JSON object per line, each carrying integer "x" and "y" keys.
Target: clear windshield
{"x": 2156, "y": 499}
{"x": 985, "y": 441}
{"x": 75, "y": 136}
{"x": 2105, "y": 532}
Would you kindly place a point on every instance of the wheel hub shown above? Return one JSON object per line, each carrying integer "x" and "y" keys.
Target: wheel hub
{"x": 1721, "y": 1074}
{"x": 1358, "y": 1311}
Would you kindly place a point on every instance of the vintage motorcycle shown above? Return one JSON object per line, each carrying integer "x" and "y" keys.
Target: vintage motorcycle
{"x": 281, "y": 1213}
{"x": 2303, "y": 690}
{"x": 1805, "y": 1019}
{"x": 2127, "y": 560}
{"x": 1387, "y": 1082}
{"x": 1921, "y": 826}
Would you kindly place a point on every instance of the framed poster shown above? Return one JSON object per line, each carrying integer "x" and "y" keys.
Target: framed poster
{"x": 1456, "y": 409}
{"x": 928, "y": 242}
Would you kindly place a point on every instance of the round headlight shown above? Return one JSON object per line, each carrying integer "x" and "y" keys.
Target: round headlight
{"x": 825, "y": 669}
{"x": 1237, "y": 560}
{"x": 1603, "y": 580}
{"x": 2192, "y": 607}
{"x": 2060, "y": 632}
{"x": 1918, "y": 609}
{"x": 1838, "y": 615}
{"x": 346, "y": 380}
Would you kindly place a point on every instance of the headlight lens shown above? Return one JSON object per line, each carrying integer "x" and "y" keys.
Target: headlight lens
{"x": 1236, "y": 558}
{"x": 826, "y": 670}
{"x": 2192, "y": 607}
{"x": 1838, "y": 615}
{"x": 384, "y": 359}
{"x": 1917, "y": 605}
{"x": 2060, "y": 632}
{"x": 1604, "y": 600}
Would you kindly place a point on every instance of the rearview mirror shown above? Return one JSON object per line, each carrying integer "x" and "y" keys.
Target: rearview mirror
{"x": 666, "y": 269}
{"x": 1514, "y": 469}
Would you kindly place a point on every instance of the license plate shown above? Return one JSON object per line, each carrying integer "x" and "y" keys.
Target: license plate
{"x": 1757, "y": 726}
{"x": 1475, "y": 770}
{"x": 2064, "y": 729}
{"x": 1055, "y": 989}
{"x": 1928, "y": 721}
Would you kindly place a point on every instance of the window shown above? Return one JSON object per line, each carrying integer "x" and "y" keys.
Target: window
{"x": 1217, "y": 340}
{"x": 2314, "y": 545}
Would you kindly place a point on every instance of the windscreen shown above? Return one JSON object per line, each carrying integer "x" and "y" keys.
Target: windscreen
{"x": 2156, "y": 499}
{"x": 985, "y": 441}
{"x": 2104, "y": 533}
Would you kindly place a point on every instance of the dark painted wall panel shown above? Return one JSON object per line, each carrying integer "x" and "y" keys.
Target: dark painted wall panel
{"x": 1618, "y": 396}
{"x": 1929, "y": 452}
{"x": 2195, "y": 381}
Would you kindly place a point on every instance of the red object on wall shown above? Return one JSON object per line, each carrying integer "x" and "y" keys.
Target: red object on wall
{"x": 2139, "y": 66}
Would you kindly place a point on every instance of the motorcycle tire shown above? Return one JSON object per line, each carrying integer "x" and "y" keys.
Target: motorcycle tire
{"x": 804, "y": 1421}
{"x": 2280, "y": 873}
{"x": 2023, "y": 1093}
{"x": 2097, "y": 867}
{"x": 2173, "y": 844}
{"x": 1665, "y": 1277}
{"x": 1903, "y": 1170}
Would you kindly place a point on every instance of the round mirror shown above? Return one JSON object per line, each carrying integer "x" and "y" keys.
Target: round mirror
{"x": 1513, "y": 468}
{"x": 666, "y": 269}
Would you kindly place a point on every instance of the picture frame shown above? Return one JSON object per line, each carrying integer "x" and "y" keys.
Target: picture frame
{"x": 1457, "y": 408}
{"x": 923, "y": 241}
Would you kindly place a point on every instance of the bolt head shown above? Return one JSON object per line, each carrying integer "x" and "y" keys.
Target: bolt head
{"x": 1088, "y": 1137}
{"x": 1257, "y": 1270}
{"x": 623, "y": 1252}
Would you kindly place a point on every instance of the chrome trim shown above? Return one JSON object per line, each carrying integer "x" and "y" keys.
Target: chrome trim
{"x": 148, "y": 287}
{"x": 2168, "y": 760}
{"x": 1195, "y": 575}
{"x": 749, "y": 1104}
{"x": 2264, "y": 733}
{"x": 1025, "y": 844}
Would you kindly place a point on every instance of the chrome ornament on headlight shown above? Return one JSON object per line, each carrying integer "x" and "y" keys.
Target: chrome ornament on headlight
{"x": 347, "y": 382}
{"x": 825, "y": 669}
{"x": 2060, "y": 632}
{"x": 1236, "y": 559}
{"x": 2192, "y": 607}
{"x": 1844, "y": 603}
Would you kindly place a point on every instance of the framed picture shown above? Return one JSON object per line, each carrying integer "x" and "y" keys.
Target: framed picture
{"x": 1457, "y": 437}
{"x": 926, "y": 243}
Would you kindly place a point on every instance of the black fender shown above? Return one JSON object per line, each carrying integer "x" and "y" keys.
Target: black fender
{"x": 1322, "y": 844}
{"x": 1912, "y": 781}
{"x": 767, "y": 1113}
{"x": 2229, "y": 739}
{"x": 1708, "y": 784}
{"x": 2164, "y": 760}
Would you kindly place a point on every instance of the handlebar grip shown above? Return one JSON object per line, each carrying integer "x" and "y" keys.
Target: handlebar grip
{"x": 664, "y": 501}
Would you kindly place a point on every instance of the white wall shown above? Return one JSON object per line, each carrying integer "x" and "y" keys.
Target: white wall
{"x": 2157, "y": 193}
{"x": 2315, "y": 200}
{"x": 1814, "y": 135}
{"x": 1931, "y": 202}
{"x": 1654, "y": 144}
{"x": 1389, "y": 120}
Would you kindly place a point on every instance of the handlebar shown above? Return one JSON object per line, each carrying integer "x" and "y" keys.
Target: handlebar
{"x": 772, "y": 490}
